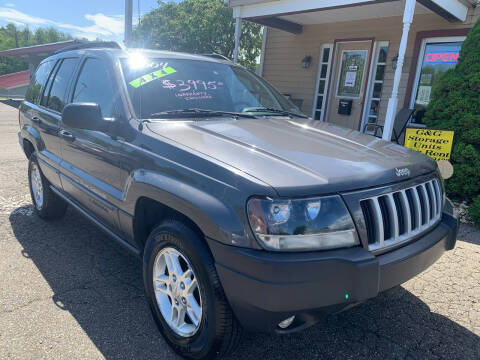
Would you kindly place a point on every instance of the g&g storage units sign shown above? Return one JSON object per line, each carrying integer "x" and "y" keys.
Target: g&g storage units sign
{"x": 434, "y": 143}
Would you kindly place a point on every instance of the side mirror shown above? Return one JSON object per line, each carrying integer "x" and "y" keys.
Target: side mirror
{"x": 86, "y": 116}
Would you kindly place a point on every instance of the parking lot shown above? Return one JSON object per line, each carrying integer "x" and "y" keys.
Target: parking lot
{"x": 69, "y": 292}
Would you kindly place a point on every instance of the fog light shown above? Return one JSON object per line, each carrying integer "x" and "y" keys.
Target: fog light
{"x": 286, "y": 323}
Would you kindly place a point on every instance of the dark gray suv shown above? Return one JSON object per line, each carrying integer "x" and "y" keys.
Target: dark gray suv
{"x": 246, "y": 213}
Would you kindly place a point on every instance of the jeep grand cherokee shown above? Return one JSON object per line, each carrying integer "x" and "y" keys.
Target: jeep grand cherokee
{"x": 247, "y": 214}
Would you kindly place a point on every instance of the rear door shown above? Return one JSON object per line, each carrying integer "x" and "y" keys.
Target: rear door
{"x": 48, "y": 144}
{"x": 91, "y": 158}
{"x": 47, "y": 119}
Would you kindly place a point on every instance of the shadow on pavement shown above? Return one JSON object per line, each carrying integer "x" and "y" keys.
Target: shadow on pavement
{"x": 12, "y": 102}
{"x": 101, "y": 286}
{"x": 469, "y": 233}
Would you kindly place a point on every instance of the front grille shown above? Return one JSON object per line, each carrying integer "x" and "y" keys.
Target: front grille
{"x": 398, "y": 216}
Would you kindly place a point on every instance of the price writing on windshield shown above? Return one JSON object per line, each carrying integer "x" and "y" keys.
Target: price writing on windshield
{"x": 191, "y": 85}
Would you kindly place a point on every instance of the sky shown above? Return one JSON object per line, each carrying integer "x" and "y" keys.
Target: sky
{"x": 80, "y": 18}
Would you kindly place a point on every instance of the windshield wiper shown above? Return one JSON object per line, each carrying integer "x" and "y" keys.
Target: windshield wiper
{"x": 276, "y": 111}
{"x": 194, "y": 112}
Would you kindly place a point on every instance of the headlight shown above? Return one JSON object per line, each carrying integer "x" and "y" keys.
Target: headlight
{"x": 303, "y": 224}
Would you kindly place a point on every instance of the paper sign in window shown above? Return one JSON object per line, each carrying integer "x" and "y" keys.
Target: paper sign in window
{"x": 350, "y": 78}
{"x": 423, "y": 97}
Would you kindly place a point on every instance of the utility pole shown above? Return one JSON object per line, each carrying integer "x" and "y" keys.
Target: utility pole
{"x": 128, "y": 22}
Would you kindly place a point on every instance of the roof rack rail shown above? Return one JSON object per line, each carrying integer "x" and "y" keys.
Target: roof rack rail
{"x": 91, "y": 45}
{"x": 217, "y": 56}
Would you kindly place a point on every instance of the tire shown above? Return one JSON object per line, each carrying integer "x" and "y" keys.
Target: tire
{"x": 218, "y": 331}
{"x": 46, "y": 203}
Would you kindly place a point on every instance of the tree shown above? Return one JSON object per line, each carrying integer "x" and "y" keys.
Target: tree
{"x": 455, "y": 106}
{"x": 198, "y": 26}
{"x": 12, "y": 37}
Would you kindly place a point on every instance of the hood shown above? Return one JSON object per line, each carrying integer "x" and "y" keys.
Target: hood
{"x": 299, "y": 157}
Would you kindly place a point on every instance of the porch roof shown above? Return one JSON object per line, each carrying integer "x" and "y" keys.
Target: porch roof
{"x": 292, "y": 15}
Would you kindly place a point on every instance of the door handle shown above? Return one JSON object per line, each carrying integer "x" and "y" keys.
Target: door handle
{"x": 67, "y": 135}
{"x": 36, "y": 120}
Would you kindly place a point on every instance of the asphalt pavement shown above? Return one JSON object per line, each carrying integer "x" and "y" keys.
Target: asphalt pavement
{"x": 69, "y": 292}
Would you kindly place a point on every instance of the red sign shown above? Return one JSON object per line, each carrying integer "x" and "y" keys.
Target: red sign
{"x": 442, "y": 57}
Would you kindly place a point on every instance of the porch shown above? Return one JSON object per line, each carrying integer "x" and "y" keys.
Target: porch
{"x": 355, "y": 62}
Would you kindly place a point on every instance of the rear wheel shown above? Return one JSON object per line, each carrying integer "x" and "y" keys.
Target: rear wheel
{"x": 46, "y": 203}
{"x": 185, "y": 294}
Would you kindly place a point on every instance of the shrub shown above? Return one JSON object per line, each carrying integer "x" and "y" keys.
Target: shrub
{"x": 455, "y": 106}
{"x": 474, "y": 210}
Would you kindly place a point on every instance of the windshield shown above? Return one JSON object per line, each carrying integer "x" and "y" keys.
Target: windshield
{"x": 157, "y": 85}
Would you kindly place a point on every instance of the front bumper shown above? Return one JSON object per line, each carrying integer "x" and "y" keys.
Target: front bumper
{"x": 264, "y": 288}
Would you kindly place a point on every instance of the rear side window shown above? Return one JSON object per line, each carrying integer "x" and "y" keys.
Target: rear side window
{"x": 38, "y": 81}
{"x": 58, "y": 90}
{"x": 93, "y": 86}
{"x": 46, "y": 90}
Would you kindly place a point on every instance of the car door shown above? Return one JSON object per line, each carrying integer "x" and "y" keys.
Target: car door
{"x": 90, "y": 168}
{"x": 46, "y": 120}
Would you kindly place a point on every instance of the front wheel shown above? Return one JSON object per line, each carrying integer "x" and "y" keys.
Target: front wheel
{"x": 185, "y": 294}
{"x": 46, "y": 203}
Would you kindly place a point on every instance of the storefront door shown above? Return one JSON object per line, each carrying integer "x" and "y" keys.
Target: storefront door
{"x": 349, "y": 79}
{"x": 437, "y": 55}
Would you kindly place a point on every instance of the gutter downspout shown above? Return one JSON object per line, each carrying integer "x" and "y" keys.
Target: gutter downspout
{"x": 393, "y": 101}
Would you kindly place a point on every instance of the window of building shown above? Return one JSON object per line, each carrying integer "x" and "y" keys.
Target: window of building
{"x": 436, "y": 57}
{"x": 90, "y": 88}
{"x": 57, "y": 94}
{"x": 322, "y": 82}
{"x": 375, "y": 89}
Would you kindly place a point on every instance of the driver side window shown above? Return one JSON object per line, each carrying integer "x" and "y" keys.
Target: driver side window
{"x": 93, "y": 85}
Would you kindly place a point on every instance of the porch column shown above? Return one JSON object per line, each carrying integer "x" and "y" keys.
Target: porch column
{"x": 238, "y": 33}
{"x": 393, "y": 101}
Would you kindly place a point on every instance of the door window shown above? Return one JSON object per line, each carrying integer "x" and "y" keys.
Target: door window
{"x": 92, "y": 86}
{"x": 43, "y": 97}
{"x": 57, "y": 95}
{"x": 350, "y": 78}
{"x": 38, "y": 81}
{"x": 437, "y": 58}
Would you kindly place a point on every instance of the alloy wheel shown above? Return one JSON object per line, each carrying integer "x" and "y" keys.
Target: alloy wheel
{"x": 177, "y": 292}
{"x": 37, "y": 186}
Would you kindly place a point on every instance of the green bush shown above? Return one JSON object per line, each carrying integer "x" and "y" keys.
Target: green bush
{"x": 455, "y": 106}
{"x": 474, "y": 210}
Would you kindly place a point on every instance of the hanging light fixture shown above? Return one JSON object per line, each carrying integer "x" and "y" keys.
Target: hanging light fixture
{"x": 306, "y": 61}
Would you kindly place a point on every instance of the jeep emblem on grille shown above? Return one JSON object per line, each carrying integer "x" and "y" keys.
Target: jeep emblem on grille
{"x": 402, "y": 172}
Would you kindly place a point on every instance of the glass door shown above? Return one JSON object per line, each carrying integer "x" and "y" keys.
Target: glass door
{"x": 437, "y": 55}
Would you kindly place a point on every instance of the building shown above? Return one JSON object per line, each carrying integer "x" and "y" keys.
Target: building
{"x": 14, "y": 85}
{"x": 33, "y": 55}
{"x": 358, "y": 62}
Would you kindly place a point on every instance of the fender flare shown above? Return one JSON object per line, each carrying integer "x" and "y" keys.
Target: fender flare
{"x": 31, "y": 134}
{"x": 197, "y": 205}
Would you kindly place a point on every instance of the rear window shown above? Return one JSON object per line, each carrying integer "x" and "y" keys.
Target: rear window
{"x": 38, "y": 81}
